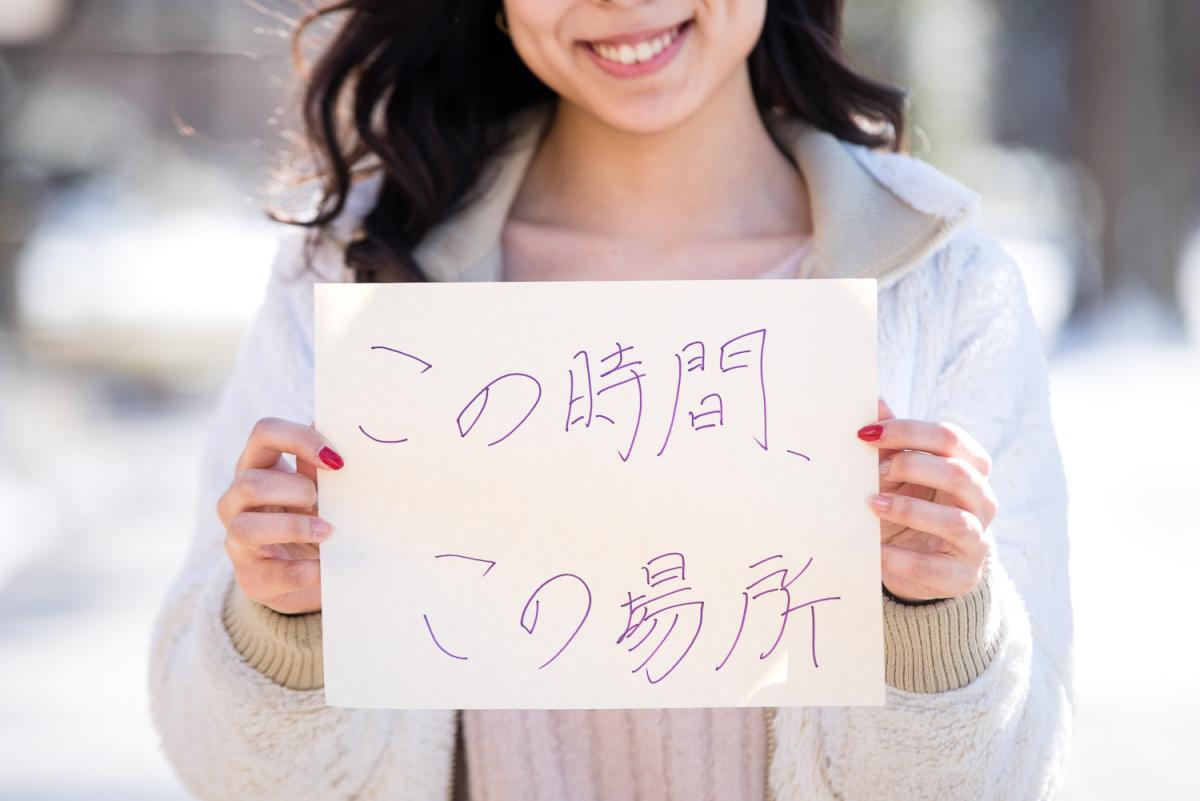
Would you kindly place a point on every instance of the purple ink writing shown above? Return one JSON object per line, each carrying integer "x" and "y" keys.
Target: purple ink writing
{"x": 666, "y": 606}
{"x": 529, "y": 621}
{"x": 428, "y": 367}
{"x": 781, "y": 590}
{"x": 618, "y": 374}
{"x": 479, "y": 402}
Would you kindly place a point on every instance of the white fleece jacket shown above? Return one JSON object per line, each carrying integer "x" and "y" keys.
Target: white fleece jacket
{"x": 979, "y": 698}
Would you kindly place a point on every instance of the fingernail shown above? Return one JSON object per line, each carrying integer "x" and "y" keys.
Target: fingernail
{"x": 881, "y": 502}
{"x": 884, "y": 466}
{"x": 320, "y": 528}
{"x": 870, "y": 433}
{"x": 330, "y": 457}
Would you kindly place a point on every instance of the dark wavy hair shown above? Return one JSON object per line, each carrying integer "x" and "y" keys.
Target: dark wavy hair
{"x": 422, "y": 90}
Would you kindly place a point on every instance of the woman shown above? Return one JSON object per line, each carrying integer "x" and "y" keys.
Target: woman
{"x": 582, "y": 139}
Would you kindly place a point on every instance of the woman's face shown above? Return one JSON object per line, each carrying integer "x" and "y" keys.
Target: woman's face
{"x": 639, "y": 66}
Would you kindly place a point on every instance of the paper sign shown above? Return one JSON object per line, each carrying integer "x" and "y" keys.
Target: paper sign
{"x": 613, "y": 494}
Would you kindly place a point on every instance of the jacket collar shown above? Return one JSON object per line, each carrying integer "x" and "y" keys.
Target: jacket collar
{"x": 875, "y": 214}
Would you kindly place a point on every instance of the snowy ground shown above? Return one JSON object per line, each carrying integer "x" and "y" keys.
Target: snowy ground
{"x": 1125, "y": 402}
{"x": 114, "y": 470}
{"x": 113, "y": 508}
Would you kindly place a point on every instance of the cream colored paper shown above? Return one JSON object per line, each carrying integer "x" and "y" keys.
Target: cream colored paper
{"x": 478, "y": 563}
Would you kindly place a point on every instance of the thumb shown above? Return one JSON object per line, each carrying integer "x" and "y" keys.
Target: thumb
{"x": 309, "y": 471}
{"x": 886, "y": 413}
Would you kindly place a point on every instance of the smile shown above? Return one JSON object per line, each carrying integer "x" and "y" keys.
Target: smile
{"x": 640, "y": 53}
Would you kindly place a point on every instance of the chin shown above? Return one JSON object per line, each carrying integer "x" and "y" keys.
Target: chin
{"x": 643, "y": 117}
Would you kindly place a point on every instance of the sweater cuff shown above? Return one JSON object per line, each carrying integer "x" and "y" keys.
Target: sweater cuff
{"x": 284, "y": 648}
{"x": 943, "y": 645}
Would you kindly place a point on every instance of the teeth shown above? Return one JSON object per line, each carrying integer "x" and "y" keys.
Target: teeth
{"x": 635, "y": 54}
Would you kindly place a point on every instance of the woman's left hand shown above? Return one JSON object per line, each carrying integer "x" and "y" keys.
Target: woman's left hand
{"x": 935, "y": 506}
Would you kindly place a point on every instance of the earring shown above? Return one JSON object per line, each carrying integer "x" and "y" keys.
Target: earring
{"x": 502, "y": 20}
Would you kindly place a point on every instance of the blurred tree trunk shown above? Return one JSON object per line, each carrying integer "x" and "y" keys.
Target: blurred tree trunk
{"x": 1132, "y": 104}
{"x": 1029, "y": 84}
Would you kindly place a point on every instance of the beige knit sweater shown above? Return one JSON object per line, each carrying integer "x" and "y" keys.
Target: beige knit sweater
{"x": 979, "y": 687}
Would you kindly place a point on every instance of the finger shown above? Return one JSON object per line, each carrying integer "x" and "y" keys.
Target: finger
{"x": 255, "y": 488}
{"x": 926, "y": 576}
{"x": 271, "y": 578}
{"x": 239, "y": 554}
{"x": 960, "y": 529}
{"x": 290, "y": 550}
{"x": 871, "y": 431}
{"x": 271, "y": 437}
{"x": 246, "y": 557}
{"x": 951, "y": 475}
{"x": 308, "y": 470}
{"x": 885, "y": 413}
{"x": 940, "y": 438}
{"x": 297, "y": 603}
{"x": 267, "y": 528}
{"x": 885, "y": 484}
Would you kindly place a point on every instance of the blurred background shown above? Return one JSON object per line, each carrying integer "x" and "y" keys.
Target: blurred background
{"x": 136, "y": 138}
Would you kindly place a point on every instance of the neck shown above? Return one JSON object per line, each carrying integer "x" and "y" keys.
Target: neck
{"x": 717, "y": 174}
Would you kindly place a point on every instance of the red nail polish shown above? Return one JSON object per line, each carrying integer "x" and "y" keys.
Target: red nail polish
{"x": 870, "y": 433}
{"x": 330, "y": 457}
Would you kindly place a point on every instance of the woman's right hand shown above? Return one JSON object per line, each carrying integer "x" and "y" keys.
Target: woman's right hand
{"x": 272, "y": 531}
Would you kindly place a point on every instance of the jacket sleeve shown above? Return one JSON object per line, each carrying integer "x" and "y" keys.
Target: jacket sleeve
{"x": 979, "y": 689}
{"x": 228, "y": 729}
